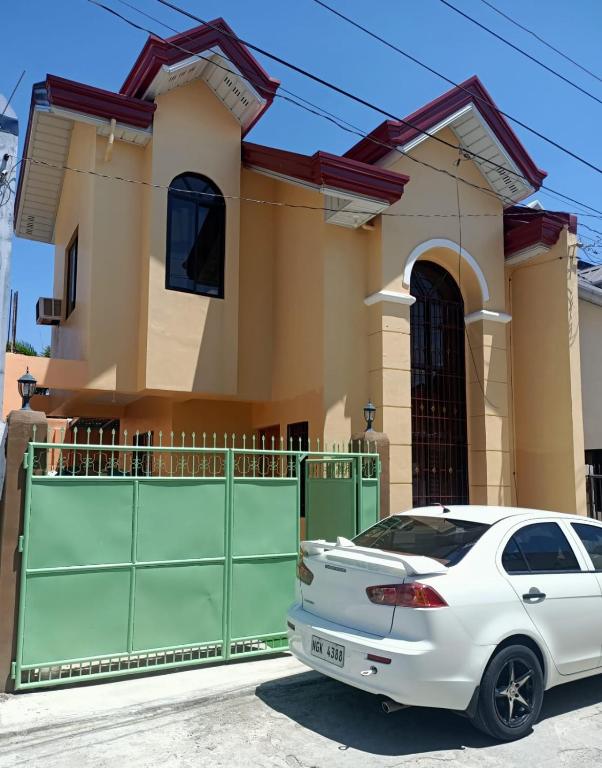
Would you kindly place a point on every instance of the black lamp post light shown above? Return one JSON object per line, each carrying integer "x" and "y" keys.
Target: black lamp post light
{"x": 369, "y": 413}
{"x": 27, "y": 389}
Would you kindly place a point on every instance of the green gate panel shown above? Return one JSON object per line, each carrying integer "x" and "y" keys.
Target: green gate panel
{"x": 181, "y": 519}
{"x": 262, "y": 593}
{"x": 75, "y": 615}
{"x": 330, "y": 508}
{"x": 370, "y": 505}
{"x": 264, "y": 517}
{"x": 178, "y": 605}
{"x": 80, "y": 522}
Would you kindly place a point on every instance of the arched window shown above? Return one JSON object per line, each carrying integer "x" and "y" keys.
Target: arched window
{"x": 439, "y": 441}
{"x": 196, "y": 235}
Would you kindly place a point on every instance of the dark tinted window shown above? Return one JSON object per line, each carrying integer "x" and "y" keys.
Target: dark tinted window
{"x": 71, "y": 276}
{"x": 591, "y": 536}
{"x": 539, "y": 547}
{"x": 442, "y": 538}
{"x": 196, "y": 231}
{"x": 513, "y": 559}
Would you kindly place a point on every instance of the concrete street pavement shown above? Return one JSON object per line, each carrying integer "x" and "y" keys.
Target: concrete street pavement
{"x": 275, "y": 713}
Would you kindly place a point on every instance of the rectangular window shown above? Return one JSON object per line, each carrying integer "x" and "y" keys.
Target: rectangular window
{"x": 443, "y": 539}
{"x": 71, "y": 276}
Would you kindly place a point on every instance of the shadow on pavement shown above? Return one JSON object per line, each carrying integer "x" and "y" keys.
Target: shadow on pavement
{"x": 354, "y": 718}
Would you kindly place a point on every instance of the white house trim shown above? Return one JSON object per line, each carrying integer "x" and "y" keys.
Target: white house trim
{"x": 487, "y": 314}
{"x": 528, "y": 253}
{"x": 443, "y": 243}
{"x": 393, "y": 296}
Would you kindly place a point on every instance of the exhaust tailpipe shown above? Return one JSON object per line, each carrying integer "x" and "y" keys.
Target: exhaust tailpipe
{"x": 390, "y": 706}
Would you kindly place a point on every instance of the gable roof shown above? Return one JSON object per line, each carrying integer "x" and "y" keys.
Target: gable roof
{"x": 528, "y": 232}
{"x": 355, "y": 192}
{"x": 471, "y": 113}
{"x": 212, "y": 52}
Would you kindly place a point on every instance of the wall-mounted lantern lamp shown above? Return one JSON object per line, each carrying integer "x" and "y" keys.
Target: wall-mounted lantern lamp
{"x": 369, "y": 413}
{"x": 27, "y": 389}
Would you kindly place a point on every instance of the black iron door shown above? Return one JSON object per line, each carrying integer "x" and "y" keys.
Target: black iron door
{"x": 439, "y": 442}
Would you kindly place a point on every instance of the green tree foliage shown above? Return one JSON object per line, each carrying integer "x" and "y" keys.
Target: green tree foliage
{"x": 23, "y": 348}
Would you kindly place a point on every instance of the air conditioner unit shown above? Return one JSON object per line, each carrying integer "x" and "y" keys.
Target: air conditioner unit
{"x": 48, "y": 311}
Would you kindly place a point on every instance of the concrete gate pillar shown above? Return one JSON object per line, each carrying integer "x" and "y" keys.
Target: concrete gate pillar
{"x": 489, "y": 469}
{"x": 377, "y": 442}
{"x": 20, "y": 428}
{"x": 390, "y": 388}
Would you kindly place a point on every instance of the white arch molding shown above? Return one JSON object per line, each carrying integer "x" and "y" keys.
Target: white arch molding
{"x": 428, "y": 245}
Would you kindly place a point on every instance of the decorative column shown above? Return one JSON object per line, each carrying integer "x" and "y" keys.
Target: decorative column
{"x": 489, "y": 470}
{"x": 389, "y": 380}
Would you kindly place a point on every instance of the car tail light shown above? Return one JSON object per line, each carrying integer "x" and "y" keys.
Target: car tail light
{"x": 303, "y": 573}
{"x": 379, "y": 659}
{"x": 413, "y": 595}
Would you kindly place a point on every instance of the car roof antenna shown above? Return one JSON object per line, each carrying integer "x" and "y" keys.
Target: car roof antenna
{"x": 443, "y": 507}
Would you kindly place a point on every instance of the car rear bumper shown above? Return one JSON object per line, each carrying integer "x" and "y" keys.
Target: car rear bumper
{"x": 419, "y": 673}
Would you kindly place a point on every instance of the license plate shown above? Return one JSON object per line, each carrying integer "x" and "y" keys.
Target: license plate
{"x": 331, "y": 652}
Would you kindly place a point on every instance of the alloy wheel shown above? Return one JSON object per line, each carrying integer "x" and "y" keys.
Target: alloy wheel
{"x": 514, "y": 692}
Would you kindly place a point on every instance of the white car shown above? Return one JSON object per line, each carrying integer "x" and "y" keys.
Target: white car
{"x": 470, "y": 608}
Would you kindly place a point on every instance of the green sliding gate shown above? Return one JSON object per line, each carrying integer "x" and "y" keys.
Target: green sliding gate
{"x": 143, "y": 557}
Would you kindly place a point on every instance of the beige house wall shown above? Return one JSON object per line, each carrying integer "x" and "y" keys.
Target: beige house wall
{"x": 481, "y": 235}
{"x": 293, "y": 339}
{"x": 76, "y": 212}
{"x": 191, "y": 132}
{"x": 547, "y": 381}
{"x": 590, "y": 335}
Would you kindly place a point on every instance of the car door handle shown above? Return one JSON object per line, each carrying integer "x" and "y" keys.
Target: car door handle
{"x": 534, "y": 595}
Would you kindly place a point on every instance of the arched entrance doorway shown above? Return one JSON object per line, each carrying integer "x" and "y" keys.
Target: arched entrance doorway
{"x": 439, "y": 440}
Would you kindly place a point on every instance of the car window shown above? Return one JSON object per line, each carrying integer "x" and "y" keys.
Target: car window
{"x": 591, "y": 537}
{"x": 442, "y": 538}
{"x": 513, "y": 559}
{"x": 539, "y": 547}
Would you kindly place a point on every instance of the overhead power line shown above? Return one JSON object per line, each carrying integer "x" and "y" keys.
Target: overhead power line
{"x": 521, "y": 51}
{"x": 314, "y": 109}
{"x": 260, "y": 201}
{"x": 359, "y": 99}
{"x": 541, "y": 40}
{"x": 14, "y": 90}
{"x": 448, "y": 80}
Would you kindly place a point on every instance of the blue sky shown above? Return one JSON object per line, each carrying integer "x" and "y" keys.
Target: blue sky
{"x": 75, "y": 39}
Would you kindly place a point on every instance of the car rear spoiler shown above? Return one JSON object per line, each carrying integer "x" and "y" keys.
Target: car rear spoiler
{"x": 345, "y": 552}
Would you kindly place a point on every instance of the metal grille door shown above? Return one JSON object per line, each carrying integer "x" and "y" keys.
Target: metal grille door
{"x": 439, "y": 440}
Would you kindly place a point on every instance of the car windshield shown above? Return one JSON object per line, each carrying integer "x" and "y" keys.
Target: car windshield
{"x": 442, "y": 538}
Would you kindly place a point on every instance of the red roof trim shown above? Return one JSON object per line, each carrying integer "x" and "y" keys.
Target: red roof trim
{"x": 157, "y": 52}
{"x": 79, "y": 97}
{"x": 394, "y": 132}
{"x": 324, "y": 169}
{"x": 525, "y": 228}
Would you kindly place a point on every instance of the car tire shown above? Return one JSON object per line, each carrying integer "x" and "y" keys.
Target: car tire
{"x": 510, "y": 694}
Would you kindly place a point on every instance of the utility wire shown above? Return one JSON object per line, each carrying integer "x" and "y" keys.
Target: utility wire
{"x": 14, "y": 90}
{"x": 317, "y": 110}
{"x": 541, "y": 40}
{"x": 353, "y": 97}
{"x": 274, "y": 203}
{"x": 306, "y": 105}
{"x": 521, "y": 51}
{"x": 448, "y": 80}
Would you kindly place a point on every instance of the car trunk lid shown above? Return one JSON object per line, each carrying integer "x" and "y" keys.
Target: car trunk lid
{"x": 341, "y": 574}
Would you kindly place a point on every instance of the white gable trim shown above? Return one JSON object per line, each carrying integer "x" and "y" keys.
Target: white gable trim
{"x": 428, "y": 245}
{"x": 487, "y": 314}
{"x": 393, "y": 296}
